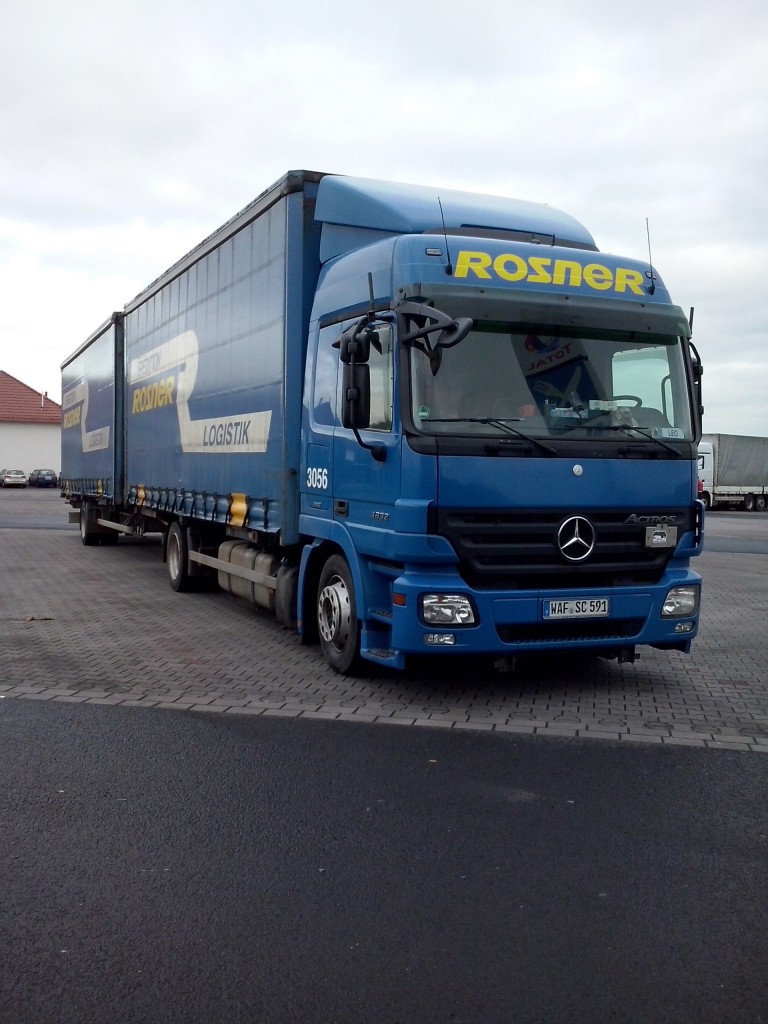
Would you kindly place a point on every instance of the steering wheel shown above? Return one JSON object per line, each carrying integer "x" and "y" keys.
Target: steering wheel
{"x": 628, "y": 398}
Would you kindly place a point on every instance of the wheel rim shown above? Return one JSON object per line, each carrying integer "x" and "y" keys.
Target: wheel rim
{"x": 334, "y": 613}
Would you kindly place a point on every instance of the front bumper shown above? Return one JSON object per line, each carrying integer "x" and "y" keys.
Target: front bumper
{"x": 510, "y": 623}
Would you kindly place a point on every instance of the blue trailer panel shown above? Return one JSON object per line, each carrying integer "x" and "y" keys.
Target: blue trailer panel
{"x": 214, "y": 365}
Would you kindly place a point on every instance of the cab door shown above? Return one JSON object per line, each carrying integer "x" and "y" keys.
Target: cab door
{"x": 366, "y": 480}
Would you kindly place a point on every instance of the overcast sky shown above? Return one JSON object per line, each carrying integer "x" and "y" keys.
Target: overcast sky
{"x": 129, "y": 132}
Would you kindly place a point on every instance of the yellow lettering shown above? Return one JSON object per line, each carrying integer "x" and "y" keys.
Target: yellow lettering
{"x": 540, "y": 274}
{"x": 506, "y": 267}
{"x": 500, "y": 266}
{"x": 72, "y": 418}
{"x": 598, "y": 276}
{"x": 631, "y": 279}
{"x": 153, "y": 396}
{"x": 569, "y": 268}
{"x": 477, "y": 262}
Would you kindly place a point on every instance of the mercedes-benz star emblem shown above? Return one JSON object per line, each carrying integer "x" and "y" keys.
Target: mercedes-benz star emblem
{"x": 576, "y": 539}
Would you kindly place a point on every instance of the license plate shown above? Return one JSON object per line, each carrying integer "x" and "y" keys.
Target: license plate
{"x": 584, "y": 608}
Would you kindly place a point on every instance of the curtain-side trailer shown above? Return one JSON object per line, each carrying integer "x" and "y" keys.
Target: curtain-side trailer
{"x": 733, "y": 469}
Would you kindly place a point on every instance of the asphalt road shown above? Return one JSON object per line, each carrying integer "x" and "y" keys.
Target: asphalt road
{"x": 206, "y": 868}
{"x": 437, "y": 853}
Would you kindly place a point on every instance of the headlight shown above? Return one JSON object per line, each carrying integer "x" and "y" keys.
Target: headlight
{"x": 680, "y": 602}
{"x": 447, "y": 610}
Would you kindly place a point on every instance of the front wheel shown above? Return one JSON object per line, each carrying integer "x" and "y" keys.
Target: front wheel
{"x": 337, "y": 616}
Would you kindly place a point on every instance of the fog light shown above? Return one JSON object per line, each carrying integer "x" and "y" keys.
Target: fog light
{"x": 683, "y": 627}
{"x": 680, "y": 602}
{"x": 447, "y": 610}
{"x": 439, "y": 639}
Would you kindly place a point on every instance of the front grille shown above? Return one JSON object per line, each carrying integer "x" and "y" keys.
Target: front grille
{"x": 517, "y": 549}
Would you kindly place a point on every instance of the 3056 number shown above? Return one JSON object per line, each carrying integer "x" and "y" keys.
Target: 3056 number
{"x": 317, "y": 479}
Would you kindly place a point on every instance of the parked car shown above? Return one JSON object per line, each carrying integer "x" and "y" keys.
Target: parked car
{"x": 13, "y": 478}
{"x": 43, "y": 478}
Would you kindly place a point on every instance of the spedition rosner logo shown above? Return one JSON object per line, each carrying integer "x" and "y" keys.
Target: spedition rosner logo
{"x": 545, "y": 270}
{"x": 242, "y": 433}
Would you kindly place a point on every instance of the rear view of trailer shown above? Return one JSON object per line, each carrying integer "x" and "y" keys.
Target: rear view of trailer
{"x": 91, "y": 435}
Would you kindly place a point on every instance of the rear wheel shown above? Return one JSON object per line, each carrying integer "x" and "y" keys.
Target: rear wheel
{"x": 749, "y": 502}
{"x": 177, "y": 555}
{"x": 337, "y": 616}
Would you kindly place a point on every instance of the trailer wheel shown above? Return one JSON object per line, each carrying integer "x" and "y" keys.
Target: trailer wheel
{"x": 337, "y": 616}
{"x": 88, "y": 535}
{"x": 760, "y": 502}
{"x": 749, "y": 502}
{"x": 177, "y": 555}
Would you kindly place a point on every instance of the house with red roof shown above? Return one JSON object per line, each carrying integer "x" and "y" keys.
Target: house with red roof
{"x": 30, "y": 427}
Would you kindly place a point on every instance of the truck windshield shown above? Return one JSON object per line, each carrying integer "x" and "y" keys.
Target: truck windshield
{"x": 552, "y": 385}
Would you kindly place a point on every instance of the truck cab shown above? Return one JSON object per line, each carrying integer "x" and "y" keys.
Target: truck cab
{"x": 500, "y": 437}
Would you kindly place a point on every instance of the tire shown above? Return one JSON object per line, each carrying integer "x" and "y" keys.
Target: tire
{"x": 177, "y": 557}
{"x": 337, "y": 621}
{"x": 707, "y": 501}
{"x": 749, "y": 503}
{"x": 760, "y": 502}
{"x": 88, "y": 535}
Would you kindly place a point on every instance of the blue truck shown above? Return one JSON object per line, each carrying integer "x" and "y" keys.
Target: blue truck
{"x": 406, "y": 420}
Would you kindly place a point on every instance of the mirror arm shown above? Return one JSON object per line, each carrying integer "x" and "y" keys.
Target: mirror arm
{"x": 378, "y": 451}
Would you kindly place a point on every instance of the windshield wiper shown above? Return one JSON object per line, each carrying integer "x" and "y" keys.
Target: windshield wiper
{"x": 502, "y": 424}
{"x": 626, "y": 427}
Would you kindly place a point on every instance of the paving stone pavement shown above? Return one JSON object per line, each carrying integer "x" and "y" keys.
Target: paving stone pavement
{"x": 101, "y": 626}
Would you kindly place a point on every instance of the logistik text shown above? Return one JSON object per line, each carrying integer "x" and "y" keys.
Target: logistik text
{"x": 545, "y": 270}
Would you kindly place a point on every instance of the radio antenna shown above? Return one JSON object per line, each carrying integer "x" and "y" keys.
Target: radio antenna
{"x": 652, "y": 287}
{"x": 449, "y": 265}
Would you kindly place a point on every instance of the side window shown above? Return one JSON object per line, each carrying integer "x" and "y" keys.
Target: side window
{"x": 326, "y": 368}
{"x": 380, "y": 366}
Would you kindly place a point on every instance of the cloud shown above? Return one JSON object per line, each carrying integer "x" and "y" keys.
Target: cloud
{"x": 131, "y": 132}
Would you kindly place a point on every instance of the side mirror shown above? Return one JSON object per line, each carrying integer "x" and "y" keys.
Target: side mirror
{"x": 423, "y": 320}
{"x": 697, "y": 371}
{"x": 356, "y": 396}
{"x": 355, "y": 342}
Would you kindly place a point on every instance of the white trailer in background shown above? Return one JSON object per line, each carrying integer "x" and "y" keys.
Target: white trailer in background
{"x": 733, "y": 469}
